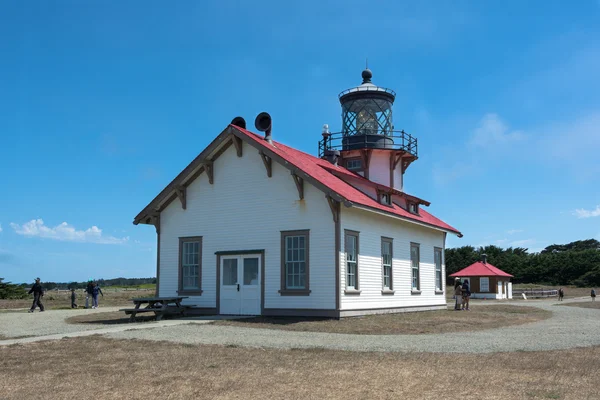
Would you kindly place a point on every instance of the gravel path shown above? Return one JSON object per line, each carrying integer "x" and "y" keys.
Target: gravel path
{"x": 21, "y": 323}
{"x": 568, "y": 327}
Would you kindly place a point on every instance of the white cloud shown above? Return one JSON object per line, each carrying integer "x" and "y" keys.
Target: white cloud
{"x": 583, "y": 213}
{"x": 501, "y": 241}
{"x": 513, "y": 231}
{"x": 522, "y": 243}
{"x": 65, "y": 232}
{"x": 493, "y": 131}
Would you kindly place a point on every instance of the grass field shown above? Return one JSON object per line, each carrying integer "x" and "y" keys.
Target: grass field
{"x": 133, "y": 369}
{"x": 53, "y": 300}
{"x": 479, "y": 318}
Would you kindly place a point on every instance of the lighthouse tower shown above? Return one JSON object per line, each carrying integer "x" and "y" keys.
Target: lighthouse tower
{"x": 368, "y": 143}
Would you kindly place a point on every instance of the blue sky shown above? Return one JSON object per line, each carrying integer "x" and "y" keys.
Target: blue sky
{"x": 102, "y": 103}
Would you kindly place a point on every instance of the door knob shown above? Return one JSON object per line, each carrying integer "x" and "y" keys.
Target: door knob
{"x": 238, "y": 287}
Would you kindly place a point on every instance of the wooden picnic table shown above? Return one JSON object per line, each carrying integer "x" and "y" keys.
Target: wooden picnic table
{"x": 160, "y": 306}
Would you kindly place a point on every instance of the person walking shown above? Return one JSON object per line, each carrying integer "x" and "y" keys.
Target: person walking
{"x": 88, "y": 293}
{"x": 466, "y": 295}
{"x": 95, "y": 291}
{"x": 38, "y": 293}
{"x": 73, "y": 298}
{"x": 561, "y": 294}
{"x": 593, "y": 294}
{"x": 457, "y": 294}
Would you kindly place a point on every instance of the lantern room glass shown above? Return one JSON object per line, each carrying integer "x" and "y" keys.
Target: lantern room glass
{"x": 367, "y": 116}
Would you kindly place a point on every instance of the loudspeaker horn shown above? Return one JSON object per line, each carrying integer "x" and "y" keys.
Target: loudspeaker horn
{"x": 239, "y": 121}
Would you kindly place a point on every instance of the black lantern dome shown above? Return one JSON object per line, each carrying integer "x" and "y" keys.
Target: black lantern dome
{"x": 367, "y": 115}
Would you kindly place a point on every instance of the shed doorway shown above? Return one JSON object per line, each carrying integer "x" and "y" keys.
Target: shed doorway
{"x": 240, "y": 291}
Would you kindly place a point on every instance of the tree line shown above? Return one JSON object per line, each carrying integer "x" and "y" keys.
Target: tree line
{"x": 18, "y": 291}
{"x": 576, "y": 263}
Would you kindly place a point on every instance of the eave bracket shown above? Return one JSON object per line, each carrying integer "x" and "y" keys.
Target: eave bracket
{"x": 268, "y": 163}
{"x": 299, "y": 185}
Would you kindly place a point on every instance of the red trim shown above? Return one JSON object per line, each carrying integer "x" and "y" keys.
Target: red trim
{"x": 322, "y": 171}
{"x": 481, "y": 269}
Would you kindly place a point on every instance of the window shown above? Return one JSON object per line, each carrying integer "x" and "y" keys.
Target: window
{"x": 437, "y": 259}
{"x": 190, "y": 265}
{"x": 413, "y": 208}
{"x": 386, "y": 198}
{"x": 351, "y": 260}
{"x": 484, "y": 284}
{"x": 414, "y": 262}
{"x": 386, "y": 260}
{"x": 354, "y": 164}
{"x": 294, "y": 263}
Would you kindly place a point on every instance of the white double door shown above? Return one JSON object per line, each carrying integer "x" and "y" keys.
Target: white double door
{"x": 240, "y": 284}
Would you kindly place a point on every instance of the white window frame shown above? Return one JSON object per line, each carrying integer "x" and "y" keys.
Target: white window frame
{"x": 389, "y": 265}
{"x": 438, "y": 255}
{"x": 357, "y": 167}
{"x": 190, "y": 247}
{"x": 352, "y": 265}
{"x": 291, "y": 267}
{"x": 487, "y": 284}
{"x": 415, "y": 268}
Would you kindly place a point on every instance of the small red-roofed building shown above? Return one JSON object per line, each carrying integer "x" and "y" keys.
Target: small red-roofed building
{"x": 486, "y": 281}
{"x": 254, "y": 227}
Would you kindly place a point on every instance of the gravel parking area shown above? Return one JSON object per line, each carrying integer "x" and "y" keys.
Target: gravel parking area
{"x": 20, "y": 323}
{"x": 569, "y": 327}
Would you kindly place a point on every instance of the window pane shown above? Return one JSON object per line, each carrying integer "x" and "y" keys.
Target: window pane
{"x": 230, "y": 273}
{"x": 295, "y": 262}
{"x": 250, "y": 271}
{"x": 190, "y": 265}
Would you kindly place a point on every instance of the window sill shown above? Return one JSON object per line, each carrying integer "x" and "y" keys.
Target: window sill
{"x": 292, "y": 292}
{"x": 388, "y": 291}
{"x": 190, "y": 292}
{"x": 439, "y": 292}
{"x": 413, "y": 291}
{"x": 352, "y": 291}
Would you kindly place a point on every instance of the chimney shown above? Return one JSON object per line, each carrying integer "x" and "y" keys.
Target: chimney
{"x": 484, "y": 258}
{"x": 332, "y": 156}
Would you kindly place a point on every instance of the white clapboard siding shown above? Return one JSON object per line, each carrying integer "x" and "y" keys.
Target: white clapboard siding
{"x": 372, "y": 227}
{"x": 379, "y": 167}
{"x": 246, "y": 210}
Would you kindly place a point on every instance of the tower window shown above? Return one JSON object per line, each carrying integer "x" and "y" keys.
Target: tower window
{"x": 386, "y": 198}
{"x": 413, "y": 208}
{"x": 354, "y": 164}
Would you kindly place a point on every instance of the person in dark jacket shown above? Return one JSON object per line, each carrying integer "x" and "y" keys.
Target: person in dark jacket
{"x": 466, "y": 292}
{"x": 73, "y": 298}
{"x": 88, "y": 293}
{"x": 95, "y": 291}
{"x": 38, "y": 293}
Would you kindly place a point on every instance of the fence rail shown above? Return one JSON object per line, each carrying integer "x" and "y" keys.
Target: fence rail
{"x": 535, "y": 293}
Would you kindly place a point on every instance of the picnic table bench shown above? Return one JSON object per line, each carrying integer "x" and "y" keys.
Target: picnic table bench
{"x": 160, "y": 306}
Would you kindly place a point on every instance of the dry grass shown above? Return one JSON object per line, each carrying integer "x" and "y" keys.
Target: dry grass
{"x": 478, "y": 318}
{"x": 588, "y": 304}
{"x": 133, "y": 369}
{"x": 53, "y": 300}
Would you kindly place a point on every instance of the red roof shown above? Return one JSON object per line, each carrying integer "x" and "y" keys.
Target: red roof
{"x": 319, "y": 170}
{"x": 481, "y": 269}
